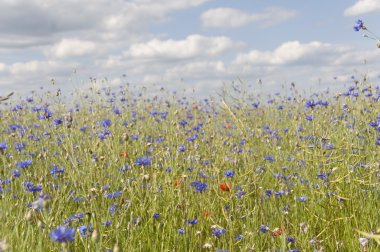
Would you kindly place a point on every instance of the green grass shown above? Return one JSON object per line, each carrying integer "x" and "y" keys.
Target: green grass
{"x": 270, "y": 149}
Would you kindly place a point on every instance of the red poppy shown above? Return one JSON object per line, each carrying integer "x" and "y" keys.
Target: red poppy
{"x": 278, "y": 231}
{"x": 225, "y": 186}
{"x": 177, "y": 182}
{"x": 124, "y": 154}
{"x": 207, "y": 213}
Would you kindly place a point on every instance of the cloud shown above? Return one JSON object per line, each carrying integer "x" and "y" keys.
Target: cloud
{"x": 362, "y": 7}
{"x": 191, "y": 47}
{"x": 232, "y": 18}
{"x": 292, "y": 52}
{"x": 38, "y": 22}
{"x": 71, "y": 48}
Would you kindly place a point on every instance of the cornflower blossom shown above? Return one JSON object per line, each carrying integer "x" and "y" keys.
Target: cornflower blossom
{"x": 84, "y": 229}
{"x": 24, "y": 164}
{"x": 229, "y": 173}
{"x": 181, "y": 148}
{"x": 359, "y": 25}
{"x": 199, "y": 186}
{"x": 218, "y": 232}
{"x": 192, "y": 222}
{"x": 106, "y": 123}
{"x": 263, "y": 228}
{"x": 302, "y": 199}
{"x": 156, "y": 215}
{"x": 63, "y": 234}
{"x": 143, "y": 161}
{"x": 3, "y": 146}
{"x": 113, "y": 195}
{"x": 58, "y": 121}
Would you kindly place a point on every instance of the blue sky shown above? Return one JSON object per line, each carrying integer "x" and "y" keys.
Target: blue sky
{"x": 186, "y": 44}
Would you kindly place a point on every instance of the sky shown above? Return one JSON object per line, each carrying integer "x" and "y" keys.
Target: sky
{"x": 195, "y": 46}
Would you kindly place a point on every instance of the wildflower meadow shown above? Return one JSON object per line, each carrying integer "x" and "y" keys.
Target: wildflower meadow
{"x": 123, "y": 170}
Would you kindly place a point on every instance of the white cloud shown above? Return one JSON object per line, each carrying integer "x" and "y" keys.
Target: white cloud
{"x": 192, "y": 46}
{"x": 71, "y": 48}
{"x": 232, "y": 18}
{"x": 363, "y": 7}
{"x": 292, "y": 52}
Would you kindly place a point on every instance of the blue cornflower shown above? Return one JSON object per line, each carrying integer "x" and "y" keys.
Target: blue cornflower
{"x": 106, "y": 223}
{"x": 20, "y": 146}
{"x": 269, "y": 192}
{"x": 56, "y": 170}
{"x": 217, "y": 232}
{"x": 269, "y": 158}
{"x": 45, "y": 113}
{"x": 58, "y": 121}
{"x": 280, "y": 193}
{"x": 193, "y": 137}
{"x": 192, "y": 222}
{"x": 181, "y": 231}
{"x": 310, "y": 104}
{"x": 84, "y": 229}
{"x": 156, "y": 215}
{"x": 74, "y": 217}
{"x": 143, "y": 161}
{"x": 263, "y": 228}
{"x": 199, "y": 186}
{"x": 113, "y": 195}
{"x": 238, "y": 237}
{"x": 16, "y": 173}
{"x": 113, "y": 208}
{"x": 62, "y": 234}
{"x": 3, "y": 146}
{"x": 181, "y": 148}
{"x": 229, "y": 173}
{"x": 125, "y": 168}
{"x": 309, "y": 117}
{"x": 106, "y": 123}
{"x": 359, "y": 25}
{"x": 116, "y": 111}
{"x": 291, "y": 239}
{"x": 322, "y": 176}
{"x": 183, "y": 123}
{"x": 302, "y": 199}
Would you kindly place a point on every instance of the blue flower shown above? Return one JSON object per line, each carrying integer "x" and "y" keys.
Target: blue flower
{"x": 199, "y": 186}
{"x": 58, "y": 121}
{"x": 217, "y": 232}
{"x": 113, "y": 195}
{"x": 291, "y": 239}
{"x": 84, "y": 229}
{"x": 106, "y": 123}
{"x": 193, "y": 137}
{"x": 263, "y": 229}
{"x": 143, "y": 161}
{"x": 156, "y": 215}
{"x": 3, "y": 145}
{"x": 302, "y": 199}
{"x": 106, "y": 223}
{"x": 62, "y": 234}
{"x": 16, "y": 173}
{"x": 238, "y": 237}
{"x": 359, "y": 25}
{"x": 229, "y": 173}
{"x": 181, "y": 231}
{"x": 192, "y": 222}
{"x": 181, "y": 148}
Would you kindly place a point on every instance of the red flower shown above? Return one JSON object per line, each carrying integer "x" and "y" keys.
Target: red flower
{"x": 124, "y": 154}
{"x": 278, "y": 231}
{"x": 177, "y": 182}
{"x": 225, "y": 186}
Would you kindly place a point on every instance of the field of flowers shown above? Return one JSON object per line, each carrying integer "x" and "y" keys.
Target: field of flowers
{"x": 118, "y": 171}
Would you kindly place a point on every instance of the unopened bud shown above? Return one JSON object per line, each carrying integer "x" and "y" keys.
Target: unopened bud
{"x": 95, "y": 236}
